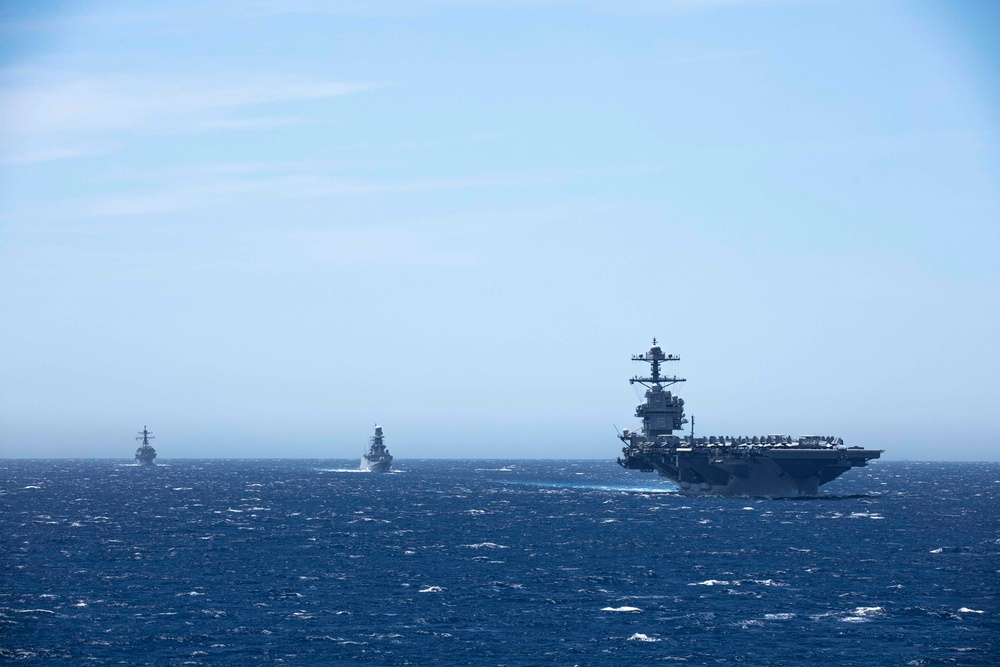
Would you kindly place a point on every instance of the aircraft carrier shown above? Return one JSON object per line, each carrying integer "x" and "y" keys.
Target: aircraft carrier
{"x": 145, "y": 455}
{"x": 377, "y": 458}
{"x": 776, "y": 466}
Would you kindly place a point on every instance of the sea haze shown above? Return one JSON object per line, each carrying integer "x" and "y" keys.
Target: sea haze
{"x": 236, "y": 562}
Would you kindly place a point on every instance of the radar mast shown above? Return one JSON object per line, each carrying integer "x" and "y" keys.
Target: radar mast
{"x": 145, "y": 436}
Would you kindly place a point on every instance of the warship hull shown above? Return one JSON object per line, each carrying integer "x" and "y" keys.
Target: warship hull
{"x": 146, "y": 460}
{"x": 772, "y": 473}
{"x": 379, "y": 466}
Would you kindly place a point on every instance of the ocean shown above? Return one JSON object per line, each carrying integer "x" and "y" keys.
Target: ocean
{"x": 243, "y": 562}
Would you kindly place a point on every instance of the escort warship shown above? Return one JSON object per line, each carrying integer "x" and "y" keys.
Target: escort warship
{"x": 145, "y": 455}
{"x": 377, "y": 458}
{"x": 766, "y": 466}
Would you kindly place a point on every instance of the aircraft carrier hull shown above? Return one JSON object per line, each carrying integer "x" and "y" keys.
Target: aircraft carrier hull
{"x": 772, "y": 473}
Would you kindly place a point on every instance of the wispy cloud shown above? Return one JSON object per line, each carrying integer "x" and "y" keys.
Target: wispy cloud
{"x": 24, "y": 155}
{"x": 200, "y": 13}
{"x": 224, "y": 190}
{"x": 379, "y": 247}
{"x": 66, "y": 104}
{"x": 394, "y": 9}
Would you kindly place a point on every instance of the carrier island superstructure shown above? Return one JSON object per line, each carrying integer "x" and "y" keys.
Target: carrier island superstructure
{"x": 769, "y": 465}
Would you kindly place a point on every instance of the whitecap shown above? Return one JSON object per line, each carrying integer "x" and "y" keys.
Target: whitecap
{"x": 486, "y": 545}
{"x": 639, "y": 637}
{"x": 869, "y": 611}
{"x": 431, "y": 589}
{"x": 620, "y": 609}
{"x": 711, "y": 582}
{"x": 966, "y": 610}
{"x": 778, "y": 617}
{"x": 768, "y": 582}
{"x": 863, "y": 614}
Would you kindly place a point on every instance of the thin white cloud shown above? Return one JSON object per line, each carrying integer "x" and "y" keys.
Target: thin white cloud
{"x": 75, "y": 105}
{"x": 257, "y": 123}
{"x": 393, "y": 9}
{"x": 224, "y": 192}
{"x": 367, "y": 246}
{"x": 200, "y": 13}
{"x": 48, "y": 153}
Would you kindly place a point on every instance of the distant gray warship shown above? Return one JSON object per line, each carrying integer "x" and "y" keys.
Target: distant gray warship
{"x": 769, "y": 465}
{"x": 377, "y": 458}
{"x": 145, "y": 455}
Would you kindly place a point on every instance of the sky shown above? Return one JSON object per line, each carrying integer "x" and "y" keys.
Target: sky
{"x": 259, "y": 228}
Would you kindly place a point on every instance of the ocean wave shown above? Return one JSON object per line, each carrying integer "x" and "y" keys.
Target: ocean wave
{"x": 863, "y": 614}
{"x": 559, "y": 562}
{"x": 738, "y": 582}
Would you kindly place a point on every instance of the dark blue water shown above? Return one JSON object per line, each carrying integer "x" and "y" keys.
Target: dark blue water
{"x": 491, "y": 563}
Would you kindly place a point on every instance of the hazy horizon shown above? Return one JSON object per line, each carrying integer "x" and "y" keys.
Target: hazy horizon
{"x": 260, "y": 228}
{"x": 399, "y": 461}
